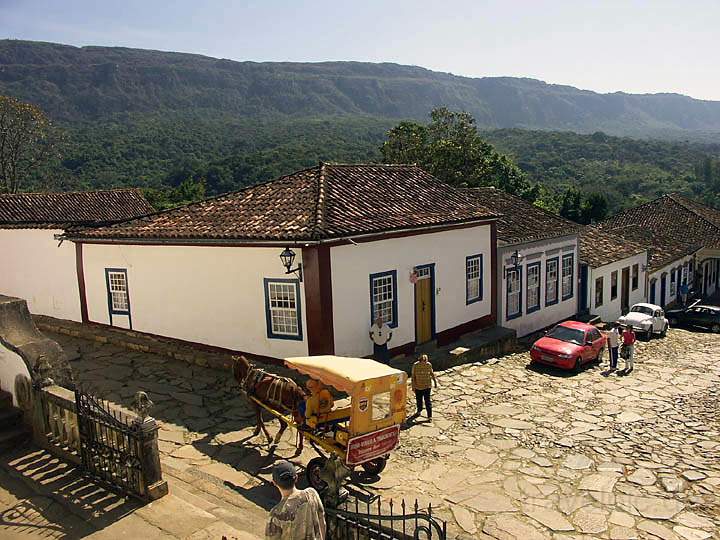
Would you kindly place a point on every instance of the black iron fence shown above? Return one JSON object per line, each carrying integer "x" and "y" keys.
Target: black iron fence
{"x": 369, "y": 521}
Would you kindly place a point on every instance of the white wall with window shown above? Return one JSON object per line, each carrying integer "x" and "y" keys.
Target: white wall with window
{"x": 670, "y": 290}
{"x": 35, "y": 268}
{"x": 238, "y": 298}
{"x": 604, "y": 286}
{"x": 379, "y": 274}
{"x": 530, "y": 297}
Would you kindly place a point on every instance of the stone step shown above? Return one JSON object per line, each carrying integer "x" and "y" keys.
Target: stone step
{"x": 6, "y": 400}
{"x": 10, "y": 417}
{"x": 14, "y": 437}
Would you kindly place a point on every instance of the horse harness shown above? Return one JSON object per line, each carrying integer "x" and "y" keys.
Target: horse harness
{"x": 275, "y": 391}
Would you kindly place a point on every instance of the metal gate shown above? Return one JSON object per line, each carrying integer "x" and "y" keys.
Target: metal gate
{"x": 109, "y": 446}
{"x": 370, "y": 521}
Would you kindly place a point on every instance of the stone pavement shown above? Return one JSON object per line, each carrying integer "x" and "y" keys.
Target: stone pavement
{"x": 512, "y": 452}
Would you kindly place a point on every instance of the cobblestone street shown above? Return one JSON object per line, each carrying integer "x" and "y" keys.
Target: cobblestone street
{"x": 512, "y": 452}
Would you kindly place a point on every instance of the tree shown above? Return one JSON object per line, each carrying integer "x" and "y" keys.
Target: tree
{"x": 27, "y": 140}
{"x": 594, "y": 208}
{"x": 571, "y": 205}
{"x": 450, "y": 148}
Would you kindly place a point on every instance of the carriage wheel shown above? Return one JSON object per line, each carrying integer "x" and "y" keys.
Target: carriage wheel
{"x": 312, "y": 471}
{"x": 375, "y": 466}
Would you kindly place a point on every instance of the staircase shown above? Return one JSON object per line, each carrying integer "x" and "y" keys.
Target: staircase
{"x": 13, "y": 432}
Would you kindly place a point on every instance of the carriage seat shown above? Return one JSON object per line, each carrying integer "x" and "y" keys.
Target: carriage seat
{"x": 335, "y": 416}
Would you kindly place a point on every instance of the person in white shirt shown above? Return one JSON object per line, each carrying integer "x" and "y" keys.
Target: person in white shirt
{"x": 613, "y": 341}
{"x": 380, "y": 333}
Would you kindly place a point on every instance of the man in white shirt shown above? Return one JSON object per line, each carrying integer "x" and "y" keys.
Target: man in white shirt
{"x": 613, "y": 341}
{"x": 380, "y": 333}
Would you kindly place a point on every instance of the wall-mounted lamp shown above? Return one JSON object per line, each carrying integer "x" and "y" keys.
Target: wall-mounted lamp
{"x": 288, "y": 258}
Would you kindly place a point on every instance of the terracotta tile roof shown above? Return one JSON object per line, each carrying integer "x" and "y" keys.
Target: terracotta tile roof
{"x": 670, "y": 227}
{"x": 599, "y": 247}
{"x": 322, "y": 202}
{"x": 521, "y": 221}
{"x": 66, "y": 209}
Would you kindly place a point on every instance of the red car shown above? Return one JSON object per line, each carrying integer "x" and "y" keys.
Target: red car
{"x": 569, "y": 345}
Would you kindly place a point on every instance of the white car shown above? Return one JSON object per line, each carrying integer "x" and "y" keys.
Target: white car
{"x": 646, "y": 320}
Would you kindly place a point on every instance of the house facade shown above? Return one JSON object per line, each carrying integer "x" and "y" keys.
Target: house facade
{"x": 613, "y": 273}
{"x": 682, "y": 239}
{"x": 37, "y": 267}
{"x": 366, "y": 240}
{"x": 537, "y": 268}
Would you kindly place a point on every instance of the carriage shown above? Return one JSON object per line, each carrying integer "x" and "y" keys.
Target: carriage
{"x": 362, "y": 430}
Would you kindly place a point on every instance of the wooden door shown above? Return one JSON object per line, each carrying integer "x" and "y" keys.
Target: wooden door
{"x": 625, "y": 291}
{"x": 424, "y": 305}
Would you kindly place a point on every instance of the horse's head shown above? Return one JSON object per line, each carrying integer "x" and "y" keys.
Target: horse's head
{"x": 240, "y": 368}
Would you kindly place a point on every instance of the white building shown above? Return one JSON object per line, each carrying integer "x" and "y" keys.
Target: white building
{"x": 37, "y": 267}
{"x": 537, "y": 263}
{"x": 682, "y": 238}
{"x": 612, "y": 273}
{"x": 369, "y": 239}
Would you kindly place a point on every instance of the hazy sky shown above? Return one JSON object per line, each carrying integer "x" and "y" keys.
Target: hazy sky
{"x": 604, "y": 45}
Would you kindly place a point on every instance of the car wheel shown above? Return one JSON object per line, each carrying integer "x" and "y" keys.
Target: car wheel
{"x": 715, "y": 328}
{"x": 578, "y": 365}
{"x": 664, "y": 331}
{"x": 672, "y": 321}
{"x": 600, "y": 355}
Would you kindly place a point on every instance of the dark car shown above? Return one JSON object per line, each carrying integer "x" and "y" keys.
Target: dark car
{"x": 696, "y": 315}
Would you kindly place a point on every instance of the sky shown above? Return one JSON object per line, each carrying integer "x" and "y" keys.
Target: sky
{"x": 606, "y": 45}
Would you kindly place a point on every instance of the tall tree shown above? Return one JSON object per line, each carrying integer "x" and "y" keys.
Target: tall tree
{"x": 450, "y": 148}
{"x": 27, "y": 139}
{"x": 594, "y": 208}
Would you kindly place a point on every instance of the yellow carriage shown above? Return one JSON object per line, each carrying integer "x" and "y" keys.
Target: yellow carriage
{"x": 363, "y": 431}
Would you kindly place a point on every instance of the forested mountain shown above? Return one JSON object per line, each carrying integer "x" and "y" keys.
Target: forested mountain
{"x": 201, "y": 125}
{"x": 87, "y": 83}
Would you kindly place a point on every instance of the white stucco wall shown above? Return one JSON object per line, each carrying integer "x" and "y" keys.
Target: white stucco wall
{"x": 353, "y": 264}
{"x": 211, "y": 295}
{"x": 11, "y": 366}
{"x": 34, "y": 268}
{"x": 610, "y": 310}
{"x": 679, "y": 263}
{"x": 530, "y": 253}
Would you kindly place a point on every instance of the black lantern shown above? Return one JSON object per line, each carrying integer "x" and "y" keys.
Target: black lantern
{"x": 515, "y": 259}
{"x": 288, "y": 258}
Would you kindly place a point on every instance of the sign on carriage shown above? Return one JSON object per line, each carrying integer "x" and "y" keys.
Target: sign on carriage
{"x": 372, "y": 445}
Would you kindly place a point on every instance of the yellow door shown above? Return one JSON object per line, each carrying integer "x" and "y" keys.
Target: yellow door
{"x": 423, "y": 310}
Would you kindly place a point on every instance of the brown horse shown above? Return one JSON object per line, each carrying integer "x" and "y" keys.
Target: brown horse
{"x": 277, "y": 392}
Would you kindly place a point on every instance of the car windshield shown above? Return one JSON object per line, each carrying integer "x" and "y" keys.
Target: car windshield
{"x": 571, "y": 335}
{"x": 642, "y": 309}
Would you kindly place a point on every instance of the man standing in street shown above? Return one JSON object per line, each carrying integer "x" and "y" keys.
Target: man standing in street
{"x": 380, "y": 333}
{"x": 684, "y": 293}
{"x": 422, "y": 376}
{"x": 629, "y": 339}
{"x": 613, "y": 339}
{"x": 300, "y": 514}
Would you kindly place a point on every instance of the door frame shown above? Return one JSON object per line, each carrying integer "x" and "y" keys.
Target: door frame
{"x": 431, "y": 267}
{"x": 663, "y": 289}
{"x": 625, "y": 288}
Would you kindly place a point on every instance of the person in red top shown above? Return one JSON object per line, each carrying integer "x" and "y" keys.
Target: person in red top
{"x": 629, "y": 339}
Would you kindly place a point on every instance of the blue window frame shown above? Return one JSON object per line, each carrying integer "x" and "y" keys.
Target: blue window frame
{"x": 283, "y": 312}
{"x": 118, "y": 293}
{"x": 513, "y": 292}
{"x": 473, "y": 279}
{"x": 552, "y": 281}
{"x": 532, "y": 293}
{"x": 568, "y": 276}
{"x": 383, "y": 297}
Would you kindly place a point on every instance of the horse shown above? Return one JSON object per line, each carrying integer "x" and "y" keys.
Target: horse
{"x": 272, "y": 390}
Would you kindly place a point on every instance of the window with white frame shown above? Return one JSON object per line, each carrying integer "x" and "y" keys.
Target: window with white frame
{"x": 533, "y": 287}
{"x": 514, "y": 294}
{"x": 473, "y": 279}
{"x": 118, "y": 291}
{"x": 568, "y": 274}
{"x": 551, "y": 281}
{"x": 383, "y": 301}
{"x": 283, "y": 309}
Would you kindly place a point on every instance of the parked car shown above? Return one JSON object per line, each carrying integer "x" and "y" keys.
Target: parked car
{"x": 696, "y": 315}
{"x": 569, "y": 345}
{"x": 646, "y": 319}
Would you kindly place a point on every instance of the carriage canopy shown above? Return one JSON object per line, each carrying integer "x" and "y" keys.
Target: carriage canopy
{"x": 341, "y": 372}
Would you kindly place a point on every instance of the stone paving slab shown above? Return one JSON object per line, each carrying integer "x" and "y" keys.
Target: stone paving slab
{"x": 512, "y": 451}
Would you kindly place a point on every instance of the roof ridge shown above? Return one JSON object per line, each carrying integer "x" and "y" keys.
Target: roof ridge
{"x": 75, "y": 192}
{"x": 673, "y": 196}
{"x": 319, "y": 228}
{"x": 365, "y": 164}
{"x": 535, "y": 206}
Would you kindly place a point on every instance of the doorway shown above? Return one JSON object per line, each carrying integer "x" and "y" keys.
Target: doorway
{"x": 424, "y": 303}
{"x": 625, "y": 290}
{"x": 583, "y": 288}
{"x": 663, "y": 287}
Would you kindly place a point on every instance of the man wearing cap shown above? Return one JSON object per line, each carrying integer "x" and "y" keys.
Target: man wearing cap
{"x": 300, "y": 514}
